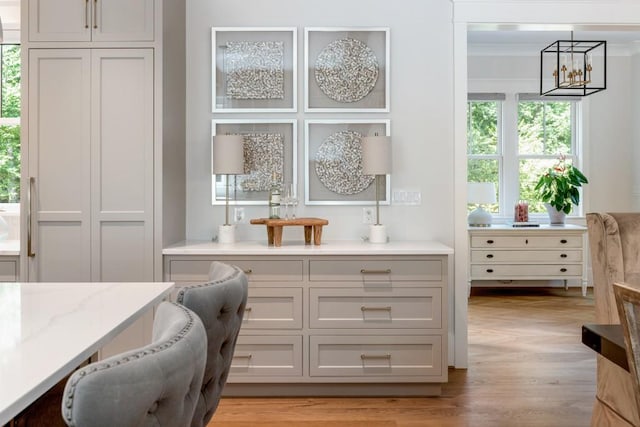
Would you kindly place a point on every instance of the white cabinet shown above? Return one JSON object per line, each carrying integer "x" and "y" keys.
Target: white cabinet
{"x": 90, "y": 163}
{"x": 91, "y": 20}
{"x": 501, "y": 252}
{"x": 316, "y": 317}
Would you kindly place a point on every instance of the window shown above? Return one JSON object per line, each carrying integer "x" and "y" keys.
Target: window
{"x": 9, "y": 123}
{"x": 512, "y": 139}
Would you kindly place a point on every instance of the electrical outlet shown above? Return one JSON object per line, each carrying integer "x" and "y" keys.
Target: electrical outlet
{"x": 367, "y": 216}
{"x": 238, "y": 215}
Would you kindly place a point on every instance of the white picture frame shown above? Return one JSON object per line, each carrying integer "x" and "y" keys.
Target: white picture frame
{"x": 254, "y": 69}
{"x": 253, "y": 188}
{"x": 328, "y": 88}
{"x": 328, "y": 181}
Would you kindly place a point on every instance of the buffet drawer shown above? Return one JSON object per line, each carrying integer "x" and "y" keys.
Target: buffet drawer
{"x": 267, "y": 356}
{"x": 525, "y": 270}
{"x": 256, "y": 270}
{"x": 370, "y": 270}
{"x": 490, "y": 256}
{"x": 375, "y": 356}
{"x": 273, "y": 308}
{"x": 525, "y": 241}
{"x": 392, "y": 308}
{"x": 8, "y": 271}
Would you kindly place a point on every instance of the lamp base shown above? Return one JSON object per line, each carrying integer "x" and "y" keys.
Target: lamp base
{"x": 377, "y": 233}
{"x": 479, "y": 218}
{"x": 226, "y": 234}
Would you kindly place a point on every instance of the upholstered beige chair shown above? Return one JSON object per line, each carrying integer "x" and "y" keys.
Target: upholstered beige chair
{"x": 614, "y": 241}
{"x": 220, "y": 303}
{"x": 156, "y": 385}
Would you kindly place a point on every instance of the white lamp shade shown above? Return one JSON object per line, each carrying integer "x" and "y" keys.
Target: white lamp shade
{"x": 481, "y": 192}
{"x": 228, "y": 154}
{"x": 376, "y": 155}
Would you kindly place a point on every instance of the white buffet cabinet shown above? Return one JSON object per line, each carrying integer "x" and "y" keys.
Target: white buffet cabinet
{"x": 503, "y": 252}
{"x": 342, "y": 318}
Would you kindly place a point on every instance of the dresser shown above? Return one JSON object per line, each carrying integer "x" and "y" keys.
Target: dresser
{"x": 503, "y": 252}
{"x": 333, "y": 319}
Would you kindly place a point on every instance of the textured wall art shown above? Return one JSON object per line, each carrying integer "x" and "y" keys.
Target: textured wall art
{"x": 254, "y": 70}
{"x": 333, "y": 162}
{"x": 346, "y": 69}
{"x": 270, "y": 146}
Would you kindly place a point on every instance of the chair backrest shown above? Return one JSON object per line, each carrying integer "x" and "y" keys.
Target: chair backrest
{"x": 220, "y": 304}
{"x": 628, "y": 304}
{"x": 158, "y": 384}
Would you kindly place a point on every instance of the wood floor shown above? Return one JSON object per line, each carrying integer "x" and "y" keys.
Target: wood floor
{"x": 527, "y": 367}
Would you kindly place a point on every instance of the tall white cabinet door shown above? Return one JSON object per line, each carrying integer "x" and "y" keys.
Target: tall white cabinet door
{"x": 59, "y": 162}
{"x": 123, "y": 20}
{"x": 122, "y": 139}
{"x": 60, "y": 20}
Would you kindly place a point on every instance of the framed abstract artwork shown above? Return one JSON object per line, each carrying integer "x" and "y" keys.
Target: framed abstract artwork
{"x": 254, "y": 69}
{"x": 270, "y": 152}
{"x": 346, "y": 69}
{"x": 333, "y": 162}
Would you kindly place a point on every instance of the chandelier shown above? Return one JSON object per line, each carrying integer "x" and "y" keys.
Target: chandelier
{"x": 573, "y": 67}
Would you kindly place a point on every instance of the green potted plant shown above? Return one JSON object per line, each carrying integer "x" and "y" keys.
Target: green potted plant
{"x": 558, "y": 188}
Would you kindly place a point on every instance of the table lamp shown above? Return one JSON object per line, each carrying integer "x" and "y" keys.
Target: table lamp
{"x": 376, "y": 160}
{"x": 480, "y": 193}
{"x": 228, "y": 159}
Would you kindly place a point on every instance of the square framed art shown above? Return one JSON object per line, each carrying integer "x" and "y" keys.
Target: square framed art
{"x": 270, "y": 148}
{"x": 346, "y": 69}
{"x": 254, "y": 69}
{"x": 333, "y": 162}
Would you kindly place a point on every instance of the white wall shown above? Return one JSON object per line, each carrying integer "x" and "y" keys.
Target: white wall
{"x": 421, "y": 110}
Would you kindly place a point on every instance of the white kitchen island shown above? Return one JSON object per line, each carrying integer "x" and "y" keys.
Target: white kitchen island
{"x": 49, "y": 329}
{"x": 340, "y": 318}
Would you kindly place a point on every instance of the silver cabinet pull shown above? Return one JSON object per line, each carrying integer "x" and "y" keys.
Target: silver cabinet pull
{"x": 242, "y": 356}
{"x": 247, "y": 309}
{"x": 86, "y": 13}
{"x": 364, "y": 271}
{"x": 32, "y": 184}
{"x": 95, "y": 14}
{"x": 364, "y": 308}
{"x": 375, "y": 356}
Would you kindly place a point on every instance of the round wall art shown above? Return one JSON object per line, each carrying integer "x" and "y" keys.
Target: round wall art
{"x": 346, "y": 70}
{"x": 339, "y": 163}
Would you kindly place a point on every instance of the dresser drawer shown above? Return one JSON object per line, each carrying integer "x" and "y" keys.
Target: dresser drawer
{"x": 8, "y": 271}
{"x": 375, "y": 356}
{"x": 539, "y": 256}
{"x": 267, "y": 356}
{"x": 256, "y": 270}
{"x": 526, "y": 241}
{"x": 343, "y": 308}
{"x": 273, "y": 308}
{"x": 516, "y": 271}
{"x": 370, "y": 270}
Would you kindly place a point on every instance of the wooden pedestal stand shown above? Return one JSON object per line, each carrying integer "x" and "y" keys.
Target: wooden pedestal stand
{"x": 274, "y": 228}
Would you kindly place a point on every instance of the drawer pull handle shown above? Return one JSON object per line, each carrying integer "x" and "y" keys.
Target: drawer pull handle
{"x": 242, "y": 356}
{"x": 563, "y": 241}
{"x": 564, "y": 270}
{"x": 490, "y": 256}
{"x": 526, "y": 242}
{"x": 247, "y": 309}
{"x": 489, "y": 270}
{"x": 248, "y": 271}
{"x": 563, "y": 255}
{"x": 364, "y": 308}
{"x": 375, "y": 356}
{"x": 387, "y": 271}
{"x": 489, "y": 241}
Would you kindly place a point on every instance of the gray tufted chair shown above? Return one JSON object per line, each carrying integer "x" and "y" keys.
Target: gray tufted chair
{"x": 220, "y": 304}
{"x": 154, "y": 385}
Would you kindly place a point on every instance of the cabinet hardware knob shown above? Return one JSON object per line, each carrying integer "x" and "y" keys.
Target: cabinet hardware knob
{"x": 564, "y": 270}
{"x": 563, "y": 241}
{"x": 364, "y": 271}
{"x": 364, "y": 308}
{"x": 248, "y": 271}
{"x": 489, "y": 255}
{"x": 375, "y": 356}
{"x": 489, "y": 270}
{"x": 526, "y": 241}
{"x": 563, "y": 255}
{"x": 489, "y": 241}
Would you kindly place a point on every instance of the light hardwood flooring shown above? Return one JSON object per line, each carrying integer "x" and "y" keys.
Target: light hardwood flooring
{"x": 527, "y": 367}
